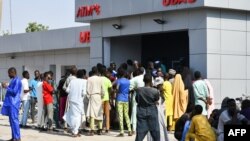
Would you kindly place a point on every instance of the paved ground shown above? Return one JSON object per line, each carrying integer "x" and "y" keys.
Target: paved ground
{"x": 35, "y": 135}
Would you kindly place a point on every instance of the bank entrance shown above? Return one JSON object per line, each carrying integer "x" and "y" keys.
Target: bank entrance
{"x": 171, "y": 48}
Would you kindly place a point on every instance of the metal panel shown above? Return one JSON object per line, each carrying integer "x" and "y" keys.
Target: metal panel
{"x": 131, "y": 25}
{"x": 138, "y": 7}
{"x": 149, "y": 25}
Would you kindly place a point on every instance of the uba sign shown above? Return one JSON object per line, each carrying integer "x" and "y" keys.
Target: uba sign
{"x": 84, "y": 37}
{"x": 176, "y": 2}
{"x": 88, "y": 10}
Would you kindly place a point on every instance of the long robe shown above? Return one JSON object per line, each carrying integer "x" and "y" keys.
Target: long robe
{"x": 180, "y": 96}
{"x": 11, "y": 106}
{"x": 162, "y": 123}
{"x": 211, "y": 95}
{"x": 76, "y": 92}
{"x": 168, "y": 96}
{"x": 200, "y": 130}
{"x": 201, "y": 91}
{"x": 135, "y": 83}
{"x": 39, "y": 91}
{"x": 95, "y": 91}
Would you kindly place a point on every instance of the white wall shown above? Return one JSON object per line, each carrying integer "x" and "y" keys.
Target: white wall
{"x": 43, "y": 59}
{"x": 228, "y": 60}
{"x": 44, "y": 40}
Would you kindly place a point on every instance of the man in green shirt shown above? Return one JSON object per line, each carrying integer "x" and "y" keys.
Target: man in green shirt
{"x": 107, "y": 85}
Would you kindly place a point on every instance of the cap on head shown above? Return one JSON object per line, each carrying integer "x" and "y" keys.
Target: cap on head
{"x": 158, "y": 81}
{"x": 171, "y": 71}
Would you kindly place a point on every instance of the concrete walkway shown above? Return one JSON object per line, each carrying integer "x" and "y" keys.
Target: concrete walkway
{"x": 35, "y": 135}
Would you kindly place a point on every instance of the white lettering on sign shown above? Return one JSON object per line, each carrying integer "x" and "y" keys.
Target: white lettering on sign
{"x": 236, "y": 132}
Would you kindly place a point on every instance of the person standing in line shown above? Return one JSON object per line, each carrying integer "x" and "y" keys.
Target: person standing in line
{"x": 210, "y": 105}
{"x": 72, "y": 76}
{"x": 122, "y": 99}
{"x": 39, "y": 92}
{"x": 136, "y": 82}
{"x": 48, "y": 99}
{"x": 147, "y": 113}
{"x": 77, "y": 91}
{"x": 200, "y": 92}
{"x": 107, "y": 85}
{"x": 158, "y": 84}
{"x": 12, "y": 103}
{"x": 188, "y": 83}
{"x": 25, "y": 99}
{"x": 180, "y": 96}
{"x": 168, "y": 96}
{"x": 172, "y": 74}
{"x": 55, "y": 100}
{"x": 33, "y": 94}
{"x": 62, "y": 98}
{"x": 130, "y": 66}
{"x": 95, "y": 92}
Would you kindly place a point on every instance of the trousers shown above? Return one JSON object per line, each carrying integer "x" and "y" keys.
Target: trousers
{"x": 48, "y": 114}
{"x": 33, "y": 101}
{"x": 106, "y": 110}
{"x": 26, "y": 107}
{"x": 122, "y": 108}
{"x": 14, "y": 122}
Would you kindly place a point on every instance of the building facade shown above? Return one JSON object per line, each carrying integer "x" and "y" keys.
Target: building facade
{"x": 212, "y": 36}
{"x": 54, "y": 50}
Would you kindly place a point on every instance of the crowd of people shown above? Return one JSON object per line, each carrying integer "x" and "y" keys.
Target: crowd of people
{"x": 151, "y": 100}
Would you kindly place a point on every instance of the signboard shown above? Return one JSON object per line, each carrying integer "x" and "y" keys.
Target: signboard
{"x": 176, "y": 2}
{"x": 84, "y": 37}
{"x": 88, "y": 10}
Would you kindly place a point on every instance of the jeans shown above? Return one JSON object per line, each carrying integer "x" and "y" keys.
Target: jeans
{"x": 26, "y": 106}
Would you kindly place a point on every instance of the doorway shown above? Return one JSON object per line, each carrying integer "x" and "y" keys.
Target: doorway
{"x": 172, "y": 49}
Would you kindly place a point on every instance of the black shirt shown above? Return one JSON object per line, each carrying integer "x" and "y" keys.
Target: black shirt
{"x": 146, "y": 96}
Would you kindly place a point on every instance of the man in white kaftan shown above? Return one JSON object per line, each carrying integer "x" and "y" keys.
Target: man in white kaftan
{"x": 76, "y": 93}
{"x": 135, "y": 83}
{"x": 39, "y": 91}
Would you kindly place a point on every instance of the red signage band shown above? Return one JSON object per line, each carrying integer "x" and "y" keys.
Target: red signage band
{"x": 176, "y": 2}
{"x": 84, "y": 11}
{"x": 84, "y": 37}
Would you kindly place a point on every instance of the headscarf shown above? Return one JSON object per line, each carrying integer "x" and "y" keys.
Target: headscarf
{"x": 180, "y": 97}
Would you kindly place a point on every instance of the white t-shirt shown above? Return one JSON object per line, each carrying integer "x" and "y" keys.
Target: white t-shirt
{"x": 25, "y": 86}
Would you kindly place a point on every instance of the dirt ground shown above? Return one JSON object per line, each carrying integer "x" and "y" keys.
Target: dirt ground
{"x": 33, "y": 134}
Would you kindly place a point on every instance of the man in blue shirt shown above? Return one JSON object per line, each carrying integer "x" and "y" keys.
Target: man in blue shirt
{"x": 12, "y": 103}
{"x": 33, "y": 94}
{"x": 122, "y": 99}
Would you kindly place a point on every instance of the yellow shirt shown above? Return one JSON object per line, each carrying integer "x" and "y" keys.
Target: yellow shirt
{"x": 168, "y": 96}
{"x": 106, "y": 86}
{"x": 200, "y": 129}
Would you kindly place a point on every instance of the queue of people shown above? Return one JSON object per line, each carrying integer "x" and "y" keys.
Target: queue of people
{"x": 150, "y": 100}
